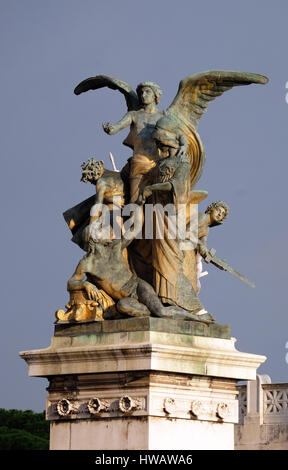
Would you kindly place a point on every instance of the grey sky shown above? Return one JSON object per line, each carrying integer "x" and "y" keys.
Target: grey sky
{"x": 46, "y": 48}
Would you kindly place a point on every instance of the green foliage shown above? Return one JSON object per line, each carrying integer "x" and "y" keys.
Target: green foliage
{"x": 23, "y": 430}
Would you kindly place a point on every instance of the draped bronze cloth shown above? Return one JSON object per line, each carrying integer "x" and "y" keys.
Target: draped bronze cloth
{"x": 168, "y": 259}
{"x": 140, "y": 165}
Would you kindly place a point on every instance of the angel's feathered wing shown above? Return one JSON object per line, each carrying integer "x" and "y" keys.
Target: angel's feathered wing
{"x": 196, "y": 91}
{"x": 101, "y": 81}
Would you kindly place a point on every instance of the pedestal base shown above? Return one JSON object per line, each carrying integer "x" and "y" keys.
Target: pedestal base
{"x": 142, "y": 383}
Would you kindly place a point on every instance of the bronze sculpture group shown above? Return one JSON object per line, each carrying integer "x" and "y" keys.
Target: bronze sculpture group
{"x": 128, "y": 273}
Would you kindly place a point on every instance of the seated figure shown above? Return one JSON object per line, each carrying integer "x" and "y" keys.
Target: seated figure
{"x": 104, "y": 270}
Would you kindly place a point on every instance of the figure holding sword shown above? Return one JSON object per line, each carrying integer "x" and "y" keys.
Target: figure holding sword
{"x": 214, "y": 215}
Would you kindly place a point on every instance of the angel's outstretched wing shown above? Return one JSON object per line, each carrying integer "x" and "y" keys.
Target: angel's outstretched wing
{"x": 100, "y": 81}
{"x": 196, "y": 91}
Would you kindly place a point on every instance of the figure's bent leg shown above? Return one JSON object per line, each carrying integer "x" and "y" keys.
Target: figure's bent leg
{"x": 148, "y": 296}
{"x": 131, "y": 307}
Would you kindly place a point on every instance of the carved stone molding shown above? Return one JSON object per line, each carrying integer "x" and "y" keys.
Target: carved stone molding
{"x": 223, "y": 410}
{"x": 197, "y": 408}
{"x": 65, "y": 407}
{"x": 169, "y": 405}
{"x": 128, "y": 404}
{"x": 221, "y": 357}
{"x": 205, "y": 410}
{"x": 96, "y": 406}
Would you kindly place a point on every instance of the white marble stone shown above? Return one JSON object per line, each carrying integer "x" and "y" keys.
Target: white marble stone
{"x": 142, "y": 390}
{"x": 159, "y": 351}
{"x": 264, "y": 410}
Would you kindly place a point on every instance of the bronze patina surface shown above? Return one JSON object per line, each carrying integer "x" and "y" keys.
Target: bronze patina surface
{"x": 153, "y": 278}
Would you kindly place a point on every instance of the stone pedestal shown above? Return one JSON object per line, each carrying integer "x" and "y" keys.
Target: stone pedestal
{"x": 142, "y": 383}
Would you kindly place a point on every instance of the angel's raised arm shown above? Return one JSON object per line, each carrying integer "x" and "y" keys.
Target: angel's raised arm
{"x": 124, "y": 122}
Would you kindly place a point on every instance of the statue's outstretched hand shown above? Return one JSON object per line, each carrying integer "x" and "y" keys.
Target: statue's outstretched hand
{"x": 107, "y": 127}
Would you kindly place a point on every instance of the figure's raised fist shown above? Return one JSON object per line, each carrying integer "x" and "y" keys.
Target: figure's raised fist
{"x": 107, "y": 127}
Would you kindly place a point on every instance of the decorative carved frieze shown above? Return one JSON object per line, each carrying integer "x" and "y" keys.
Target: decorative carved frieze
{"x": 197, "y": 408}
{"x": 211, "y": 410}
{"x": 66, "y": 407}
{"x": 169, "y": 405}
{"x": 96, "y": 406}
{"x": 85, "y": 407}
{"x": 223, "y": 410}
{"x": 128, "y": 404}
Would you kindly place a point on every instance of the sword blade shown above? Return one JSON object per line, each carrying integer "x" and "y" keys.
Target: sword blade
{"x": 222, "y": 265}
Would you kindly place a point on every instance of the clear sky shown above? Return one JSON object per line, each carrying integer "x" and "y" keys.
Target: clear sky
{"x": 46, "y": 48}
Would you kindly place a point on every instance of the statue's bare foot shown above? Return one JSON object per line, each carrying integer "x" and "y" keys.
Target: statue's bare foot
{"x": 205, "y": 317}
{"x": 179, "y": 313}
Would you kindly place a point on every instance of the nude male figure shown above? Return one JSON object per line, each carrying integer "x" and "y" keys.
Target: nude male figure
{"x": 142, "y": 124}
{"x": 104, "y": 267}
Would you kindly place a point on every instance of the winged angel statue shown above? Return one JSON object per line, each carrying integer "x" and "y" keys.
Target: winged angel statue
{"x": 168, "y": 159}
{"x": 194, "y": 94}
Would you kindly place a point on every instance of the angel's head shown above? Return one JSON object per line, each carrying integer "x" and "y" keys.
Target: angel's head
{"x": 217, "y": 211}
{"x": 92, "y": 170}
{"x": 149, "y": 92}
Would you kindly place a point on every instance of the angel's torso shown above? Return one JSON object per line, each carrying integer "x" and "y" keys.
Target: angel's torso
{"x": 142, "y": 127}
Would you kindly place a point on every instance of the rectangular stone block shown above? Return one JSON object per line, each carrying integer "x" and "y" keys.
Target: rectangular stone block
{"x": 141, "y": 411}
{"x": 196, "y": 328}
{"x": 142, "y": 383}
